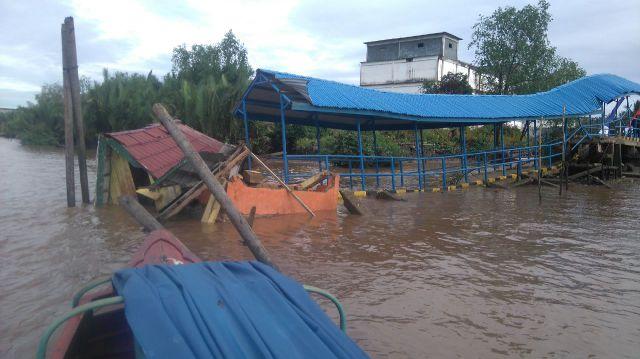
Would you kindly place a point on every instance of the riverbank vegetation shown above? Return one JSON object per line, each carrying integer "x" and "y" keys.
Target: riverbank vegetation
{"x": 206, "y": 81}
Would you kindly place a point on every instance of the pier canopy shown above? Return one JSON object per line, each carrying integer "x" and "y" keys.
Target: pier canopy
{"x": 274, "y": 96}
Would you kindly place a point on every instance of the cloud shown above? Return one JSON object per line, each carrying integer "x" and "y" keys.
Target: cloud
{"x": 316, "y": 38}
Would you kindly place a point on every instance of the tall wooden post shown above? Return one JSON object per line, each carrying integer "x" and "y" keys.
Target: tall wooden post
{"x": 68, "y": 125}
{"x": 70, "y": 72}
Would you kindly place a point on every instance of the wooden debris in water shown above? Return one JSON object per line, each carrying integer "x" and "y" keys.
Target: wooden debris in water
{"x": 386, "y": 195}
{"x": 194, "y": 192}
{"x": 350, "y": 202}
{"x": 252, "y": 177}
{"x": 312, "y": 181}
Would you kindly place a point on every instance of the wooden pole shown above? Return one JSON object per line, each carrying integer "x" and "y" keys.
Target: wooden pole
{"x": 350, "y": 203}
{"x": 216, "y": 189}
{"x": 70, "y": 67}
{"x": 68, "y": 125}
{"x": 252, "y": 216}
{"x": 284, "y": 184}
{"x": 135, "y": 209}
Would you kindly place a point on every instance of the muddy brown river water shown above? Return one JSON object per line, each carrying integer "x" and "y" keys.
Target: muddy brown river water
{"x": 479, "y": 273}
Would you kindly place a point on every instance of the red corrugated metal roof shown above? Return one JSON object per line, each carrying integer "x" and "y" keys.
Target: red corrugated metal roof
{"x": 156, "y": 151}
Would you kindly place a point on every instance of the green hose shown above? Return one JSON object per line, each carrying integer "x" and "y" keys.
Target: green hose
{"x": 44, "y": 340}
{"x": 94, "y": 283}
{"x": 324, "y": 293}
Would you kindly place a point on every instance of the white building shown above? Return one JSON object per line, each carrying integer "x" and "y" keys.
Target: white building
{"x": 403, "y": 64}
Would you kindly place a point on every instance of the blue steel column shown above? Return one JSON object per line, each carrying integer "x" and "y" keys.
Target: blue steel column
{"x": 375, "y": 153}
{"x": 285, "y": 164}
{"x": 602, "y": 120}
{"x": 318, "y": 145}
{"x": 418, "y": 157}
{"x": 363, "y": 183}
{"x": 425, "y": 178}
{"x": 504, "y": 167}
{"x": 246, "y": 130}
{"x": 496, "y": 142}
{"x": 463, "y": 144}
{"x": 535, "y": 138}
{"x": 628, "y": 117}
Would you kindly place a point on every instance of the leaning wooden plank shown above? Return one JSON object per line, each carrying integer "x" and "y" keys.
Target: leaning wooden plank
{"x": 547, "y": 183}
{"x": 585, "y": 173}
{"x": 121, "y": 181}
{"x": 135, "y": 209}
{"x": 596, "y": 179}
{"x": 212, "y": 210}
{"x": 252, "y": 177}
{"x": 240, "y": 154}
{"x": 312, "y": 181}
{"x": 167, "y": 195}
{"x": 177, "y": 206}
{"x": 239, "y": 222}
{"x": 207, "y": 209}
{"x": 145, "y": 192}
{"x": 350, "y": 203}
{"x": 230, "y": 164}
{"x": 215, "y": 212}
{"x": 252, "y": 216}
{"x": 495, "y": 185}
{"x": 386, "y": 195}
{"x": 523, "y": 182}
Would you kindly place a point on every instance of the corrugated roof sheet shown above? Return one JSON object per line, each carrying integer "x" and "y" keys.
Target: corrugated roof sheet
{"x": 581, "y": 97}
{"x": 155, "y": 149}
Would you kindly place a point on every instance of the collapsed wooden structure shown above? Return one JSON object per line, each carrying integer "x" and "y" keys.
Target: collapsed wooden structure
{"x": 148, "y": 162}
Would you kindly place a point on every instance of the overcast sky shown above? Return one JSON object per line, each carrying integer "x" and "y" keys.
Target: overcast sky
{"x": 315, "y": 38}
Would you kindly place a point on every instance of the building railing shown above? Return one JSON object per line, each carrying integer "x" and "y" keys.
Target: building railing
{"x": 422, "y": 171}
{"x": 441, "y": 171}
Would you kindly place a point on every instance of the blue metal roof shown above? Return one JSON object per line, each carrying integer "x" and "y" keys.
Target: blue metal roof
{"x": 339, "y": 105}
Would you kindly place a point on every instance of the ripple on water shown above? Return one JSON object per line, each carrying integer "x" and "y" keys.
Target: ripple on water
{"x": 476, "y": 274}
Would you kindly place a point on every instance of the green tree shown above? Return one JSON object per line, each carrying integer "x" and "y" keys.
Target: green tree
{"x": 512, "y": 49}
{"x": 449, "y": 84}
{"x": 39, "y": 123}
{"x": 205, "y": 84}
{"x": 122, "y": 101}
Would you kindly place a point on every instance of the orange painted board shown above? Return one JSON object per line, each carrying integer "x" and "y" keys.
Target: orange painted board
{"x": 269, "y": 201}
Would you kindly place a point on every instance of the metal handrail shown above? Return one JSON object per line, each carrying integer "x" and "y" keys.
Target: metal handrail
{"x": 336, "y": 302}
{"x": 100, "y": 303}
{"x": 93, "y": 284}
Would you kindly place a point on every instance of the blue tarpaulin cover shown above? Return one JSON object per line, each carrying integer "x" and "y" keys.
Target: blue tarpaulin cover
{"x": 226, "y": 310}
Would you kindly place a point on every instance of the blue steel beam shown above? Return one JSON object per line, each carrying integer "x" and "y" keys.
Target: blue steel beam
{"x": 375, "y": 153}
{"x": 285, "y": 164}
{"x": 418, "y": 156}
{"x": 504, "y": 167}
{"x": 318, "y": 143}
{"x": 535, "y": 151}
{"x": 463, "y": 145}
{"x": 363, "y": 183}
